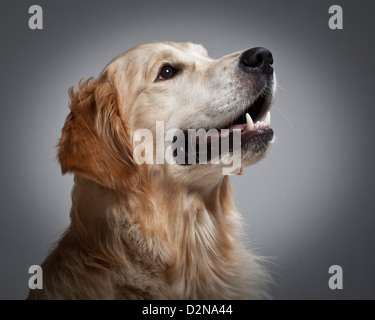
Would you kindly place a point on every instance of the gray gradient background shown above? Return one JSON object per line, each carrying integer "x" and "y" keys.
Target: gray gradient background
{"x": 309, "y": 205}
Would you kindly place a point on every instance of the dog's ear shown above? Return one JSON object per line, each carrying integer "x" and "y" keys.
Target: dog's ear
{"x": 95, "y": 141}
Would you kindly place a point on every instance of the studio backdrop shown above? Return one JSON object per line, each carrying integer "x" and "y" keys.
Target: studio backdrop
{"x": 308, "y": 206}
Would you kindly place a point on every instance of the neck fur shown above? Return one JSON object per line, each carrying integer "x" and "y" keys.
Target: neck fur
{"x": 189, "y": 238}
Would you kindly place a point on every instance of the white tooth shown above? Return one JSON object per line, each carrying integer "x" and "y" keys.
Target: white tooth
{"x": 267, "y": 120}
{"x": 249, "y": 122}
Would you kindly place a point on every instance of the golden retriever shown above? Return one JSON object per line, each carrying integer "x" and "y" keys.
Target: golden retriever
{"x": 159, "y": 230}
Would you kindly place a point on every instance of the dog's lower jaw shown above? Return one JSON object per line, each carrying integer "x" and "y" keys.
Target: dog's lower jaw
{"x": 177, "y": 245}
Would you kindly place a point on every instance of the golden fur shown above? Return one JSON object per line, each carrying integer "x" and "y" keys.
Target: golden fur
{"x": 147, "y": 231}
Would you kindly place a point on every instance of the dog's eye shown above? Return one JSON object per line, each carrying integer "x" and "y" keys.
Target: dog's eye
{"x": 167, "y": 72}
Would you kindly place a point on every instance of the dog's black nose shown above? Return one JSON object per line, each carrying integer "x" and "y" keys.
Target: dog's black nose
{"x": 257, "y": 60}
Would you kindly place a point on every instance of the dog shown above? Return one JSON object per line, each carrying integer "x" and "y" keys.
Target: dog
{"x": 159, "y": 231}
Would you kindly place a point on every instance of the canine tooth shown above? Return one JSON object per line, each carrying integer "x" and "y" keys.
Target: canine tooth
{"x": 267, "y": 120}
{"x": 249, "y": 122}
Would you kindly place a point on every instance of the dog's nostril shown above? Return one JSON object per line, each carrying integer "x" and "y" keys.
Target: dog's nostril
{"x": 257, "y": 58}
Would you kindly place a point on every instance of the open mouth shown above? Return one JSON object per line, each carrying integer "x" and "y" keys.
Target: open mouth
{"x": 249, "y": 124}
{"x": 254, "y": 134}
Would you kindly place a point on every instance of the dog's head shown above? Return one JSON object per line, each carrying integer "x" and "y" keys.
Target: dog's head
{"x": 153, "y": 96}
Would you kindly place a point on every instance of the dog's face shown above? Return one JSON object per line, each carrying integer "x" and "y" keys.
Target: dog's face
{"x": 179, "y": 86}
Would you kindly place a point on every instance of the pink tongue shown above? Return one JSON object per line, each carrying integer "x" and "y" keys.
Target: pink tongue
{"x": 231, "y": 128}
{"x": 237, "y": 127}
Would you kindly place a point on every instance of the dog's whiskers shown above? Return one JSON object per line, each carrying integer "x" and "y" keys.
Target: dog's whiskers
{"x": 284, "y": 116}
{"x": 278, "y": 85}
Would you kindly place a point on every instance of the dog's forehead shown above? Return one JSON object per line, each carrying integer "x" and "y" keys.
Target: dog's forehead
{"x": 142, "y": 54}
{"x": 175, "y": 53}
{"x": 174, "y": 48}
{"x": 189, "y": 48}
